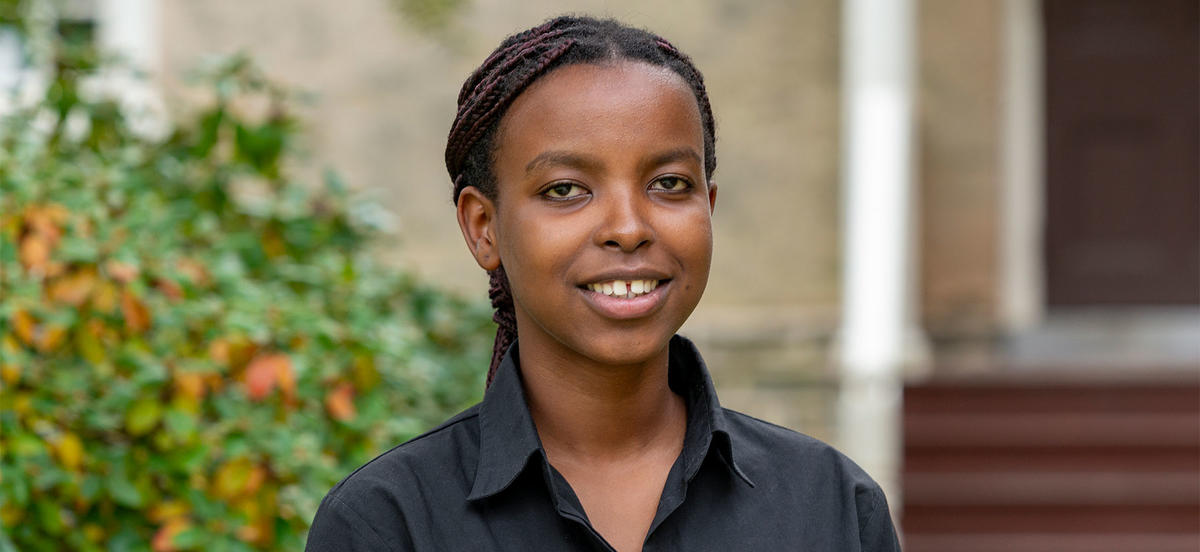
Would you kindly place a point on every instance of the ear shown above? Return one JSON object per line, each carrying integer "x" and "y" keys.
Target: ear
{"x": 476, "y": 219}
{"x": 712, "y": 196}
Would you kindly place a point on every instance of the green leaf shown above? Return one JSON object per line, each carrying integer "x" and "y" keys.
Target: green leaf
{"x": 91, "y": 487}
{"x": 76, "y": 249}
{"x": 124, "y": 492}
{"x": 50, "y": 517}
{"x": 191, "y": 538}
{"x": 143, "y": 415}
{"x": 181, "y": 424}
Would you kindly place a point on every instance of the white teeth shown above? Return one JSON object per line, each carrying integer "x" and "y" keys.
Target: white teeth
{"x": 626, "y": 289}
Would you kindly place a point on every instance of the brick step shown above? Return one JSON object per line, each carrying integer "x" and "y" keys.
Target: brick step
{"x": 1032, "y": 397}
{"x": 1058, "y": 429}
{"x": 1139, "y": 459}
{"x": 1073, "y": 518}
{"x": 1050, "y": 488}
{"x": 1033, "y": 542}
{"x": 1040, "y": 466}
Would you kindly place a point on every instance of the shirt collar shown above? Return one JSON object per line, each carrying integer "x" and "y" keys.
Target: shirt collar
{"x": 688, "y": 376}
{"x": 508, "y": 439}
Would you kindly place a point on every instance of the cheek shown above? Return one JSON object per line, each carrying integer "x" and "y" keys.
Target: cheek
{"x": 693, "y": 234}
{"x": 533, "y": 251}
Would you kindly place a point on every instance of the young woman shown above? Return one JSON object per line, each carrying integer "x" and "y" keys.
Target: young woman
{"x": 582, "y": 158}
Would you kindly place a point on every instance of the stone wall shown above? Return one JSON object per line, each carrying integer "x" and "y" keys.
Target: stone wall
{"x": 959, "y": 75}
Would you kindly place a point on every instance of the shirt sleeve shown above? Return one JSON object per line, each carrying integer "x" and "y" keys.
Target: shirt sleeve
{"x": 875, "y": 530}
{"x": 339, "y": 527}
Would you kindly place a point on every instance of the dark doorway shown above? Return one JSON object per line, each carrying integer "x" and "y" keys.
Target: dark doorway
{"x": 1123, "y": 152}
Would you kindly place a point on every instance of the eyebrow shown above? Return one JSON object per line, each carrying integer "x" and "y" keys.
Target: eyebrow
{"x": 564, "y": 158}
{"x": 684, "y": 153}
{"x": 587, "y": 162}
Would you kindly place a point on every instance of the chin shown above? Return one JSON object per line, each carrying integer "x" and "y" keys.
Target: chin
{"x": 621, "y": 350}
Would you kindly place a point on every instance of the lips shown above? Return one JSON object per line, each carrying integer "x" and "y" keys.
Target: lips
{"x": 626, "y": 296}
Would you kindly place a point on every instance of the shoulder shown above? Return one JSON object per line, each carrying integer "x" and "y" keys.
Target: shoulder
{"x": 808, "y": 475}
{"x": 440, "y": 448}
{"x": 374, "y": 505}
{"x": 768, "y": 450}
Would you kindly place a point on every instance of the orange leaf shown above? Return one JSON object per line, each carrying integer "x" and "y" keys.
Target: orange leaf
{"x": 194, "y": 271}
{"x": 340, "y": 402}
{"x": 46, "y": 219}
{"x": 10, "y": 373}
{"x": 121, "y": 272}
{"x": 50, "y": 337}
{"x": 137, "y": 316}
{"x": 238, "y": 478}
{"x": 241, "y": 352}
{"x": 189, "y": 385}
{"x": 286, "y": 378}
{"x": 258, "y": 475}
{"x": 218, "y": 350}
{"x": 55, "y": 269}
{"x": 172, "y": 290}
{"x": 73, "y": 289}
{"x": 215, "y": 382}
{"x": 42, "y": 224}
{"x": 35, "y": 253}
{"x": 265, "y": 372}
{"x": 166, "y": 534}
{"x": 250, "y": 533}
{"x": 167, "y": 510}
{"x": 25, "y": 326}
{"x": 105, "y": 298}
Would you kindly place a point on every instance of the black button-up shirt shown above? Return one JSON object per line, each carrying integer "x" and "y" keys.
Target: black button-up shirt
{"x": 481, "y": 481}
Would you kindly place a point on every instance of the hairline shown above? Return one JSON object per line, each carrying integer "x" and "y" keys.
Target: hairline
{"x": 614, "y": 58}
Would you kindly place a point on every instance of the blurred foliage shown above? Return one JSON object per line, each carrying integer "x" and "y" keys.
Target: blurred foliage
{"x": 429, "y": 16}
{"x": 194, "y": 346}
{"x": 10, "y": 13}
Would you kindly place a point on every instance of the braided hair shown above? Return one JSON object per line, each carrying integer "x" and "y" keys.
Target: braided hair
{"x": 520, "y": 60}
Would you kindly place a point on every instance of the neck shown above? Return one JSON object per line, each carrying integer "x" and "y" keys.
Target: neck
{"x": 599, "y": 412}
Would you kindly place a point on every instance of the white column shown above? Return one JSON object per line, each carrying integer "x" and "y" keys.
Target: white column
{"x": 879, "y": 335}
{"x": 1021, "y": 297}
{"x": 129, "y": 29}
{"x": 24, "y": 69}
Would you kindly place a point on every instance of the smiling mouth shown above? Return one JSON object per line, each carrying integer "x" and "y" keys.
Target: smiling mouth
{"x": 623, "y": 289}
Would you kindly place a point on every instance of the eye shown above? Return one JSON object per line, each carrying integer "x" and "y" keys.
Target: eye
{"x": 564, "y": 190}
{"x": 671, "y": 184}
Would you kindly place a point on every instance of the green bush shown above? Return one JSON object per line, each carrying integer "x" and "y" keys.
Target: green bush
{"x": 194, "y": 346}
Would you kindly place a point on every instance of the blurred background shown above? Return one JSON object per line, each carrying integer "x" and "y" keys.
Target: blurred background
{"x": 1037, "y": 319}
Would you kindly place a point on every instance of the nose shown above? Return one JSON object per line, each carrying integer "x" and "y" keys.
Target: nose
{"x": 626, "y": 225}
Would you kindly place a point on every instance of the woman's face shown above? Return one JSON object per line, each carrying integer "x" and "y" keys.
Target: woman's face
{"x": 602, "y": 189}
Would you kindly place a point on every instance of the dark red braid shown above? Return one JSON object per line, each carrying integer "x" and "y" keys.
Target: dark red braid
{"x": 480, "y": 115}
{"x": 519, "y": 60}
{"x": 505, "y": 317}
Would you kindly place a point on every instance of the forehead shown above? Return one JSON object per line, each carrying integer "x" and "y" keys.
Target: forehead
{"x": 619, "y": 104}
